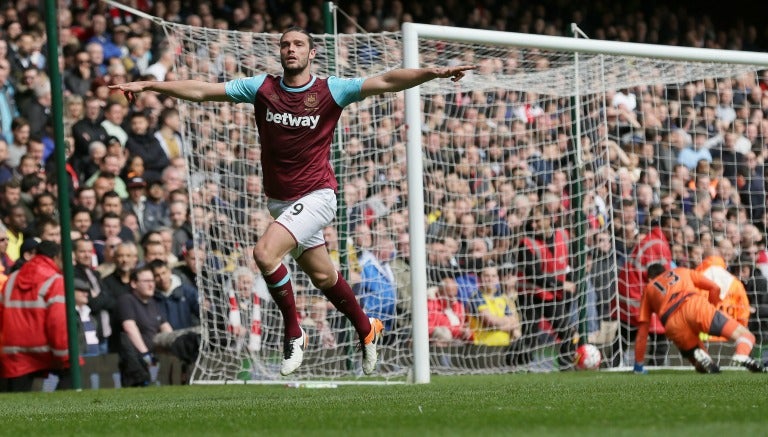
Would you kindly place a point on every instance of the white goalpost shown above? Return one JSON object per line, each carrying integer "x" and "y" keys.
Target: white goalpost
{"x": 458, "y": 176}
{"x": 585, "y": 78}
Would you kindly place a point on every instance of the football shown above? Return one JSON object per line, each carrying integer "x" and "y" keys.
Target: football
{"x": 588, "y": 357}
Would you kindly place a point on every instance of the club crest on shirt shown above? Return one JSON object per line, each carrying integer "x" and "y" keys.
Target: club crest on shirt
{"x": 310, "y": 101}
{"x": 274, "y": 97}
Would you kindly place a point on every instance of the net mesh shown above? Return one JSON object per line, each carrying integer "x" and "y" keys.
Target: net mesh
{"x": 503, "y": 164}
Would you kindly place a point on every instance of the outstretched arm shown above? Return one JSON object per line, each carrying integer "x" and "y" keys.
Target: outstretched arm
{"x": 194, "y": 90}
{"x": 641, "y": 342}
{"x": 404, "y": 78}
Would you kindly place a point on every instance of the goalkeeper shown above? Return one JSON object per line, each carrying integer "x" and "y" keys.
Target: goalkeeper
{"x": 677, "y": 296}
{"x": 296, "y": 115}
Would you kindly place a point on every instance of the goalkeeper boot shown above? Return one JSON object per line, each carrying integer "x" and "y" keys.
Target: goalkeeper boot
{"x": 704, "y": 363}
{"x": 748, "y": 363}
{"x": 293, "y": 353}
{"x": 370, "y": 355}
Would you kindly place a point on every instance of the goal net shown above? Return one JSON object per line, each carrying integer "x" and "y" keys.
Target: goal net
{"x": 580, "y": 152}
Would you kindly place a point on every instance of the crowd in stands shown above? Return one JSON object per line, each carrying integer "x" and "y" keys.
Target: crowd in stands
{"x": 702, "y": 161}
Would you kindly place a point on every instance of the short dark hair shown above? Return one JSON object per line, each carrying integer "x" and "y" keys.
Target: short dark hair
{"x": 157, "y": 264}
{"x": 41, "y": 224}
{"x": 300, "y": 30}
{"x": 51, "y": 249}
{"x": 44, "y": 194}
{"x": 109, "y": 195}
{"x": 135, "y": 272}
{"x": 655, "y": 270}
{"x": 109, "y": 215}
{"x": 81, "y": 209}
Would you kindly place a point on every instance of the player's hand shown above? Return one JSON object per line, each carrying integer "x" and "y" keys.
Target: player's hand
{"x": 639, "y": 369}
{"x": 455, "y": 73}
{"x": 569, "y": 287}
{"x": 130, "y": 89}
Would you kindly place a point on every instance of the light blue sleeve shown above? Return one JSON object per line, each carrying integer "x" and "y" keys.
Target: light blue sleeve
{"x": 244, "y": 90}
{"x": 345, "y": 91}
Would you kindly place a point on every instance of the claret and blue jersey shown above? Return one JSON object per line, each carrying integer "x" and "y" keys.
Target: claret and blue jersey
{"x": 296, "y": 129}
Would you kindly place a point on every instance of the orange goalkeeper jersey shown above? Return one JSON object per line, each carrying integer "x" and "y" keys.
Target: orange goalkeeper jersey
{"x": 734, "y": 297}
{"x": 667, "y": 291}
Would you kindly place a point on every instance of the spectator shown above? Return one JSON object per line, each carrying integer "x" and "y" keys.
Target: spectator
{"x": 251, "y": 291}
{"x": 140, "y": 319}
{"x": 100, "y": 301}
{"x": 34, "y": 322}
{"x": 156, "y": 215}
{"x": 79, "y": 79}
{"x": 87, "y": 130}
{"x": 18, "y": 146}
{"x": 154, "y": 250}
{"x": 85, "y": 197}
{"x": 110, "y": 164}
{"x": 316, "y": 324}
{"x": 24, "y": 94}
{"x": 27, "y": 251}
{"x": 126, "y": 259}
{"x": 6, "y": 171}
{"x": 8, "y": 109}
{"x": 168, "y": 135}
{"x": 47, "y": 229}
{"x": 88, "y": 326}
{"x": 546, "y": 281}
{"x": 111, "y": 205}
{"x": 493, "y": 321}
{"x": 734, "y": 163}
{"x": 401, "y": 269}
{"x": 695, "y": 151}
{"x": 100, "y": 36}
{"x": 173, "y": 179}
{"x": 141, "y": 142}
{"x": 447, "y": 321}
{"x": 81, "y": 219}
{"x": 114, "y": 115}
{"x": 96, "y": 54}
{"x": 136, "y": 201}
{"x": 105, "y": 182}
{"x": 6, "y": 263}
{"x": 177, "y": 301}
{"x": 39, "y": 110}
{"x": 107, "y": 266}
{"x": 182, "y": 228}
{"x": 164, "y": 63}
{"x": 378, "y": 291}
{"x": 15, "y": 222}
{"x": 134, "y": 168}
{"x": 602, "y": 275}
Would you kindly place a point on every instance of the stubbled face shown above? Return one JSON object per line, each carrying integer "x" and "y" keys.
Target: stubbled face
{"x": 295, "y": 52}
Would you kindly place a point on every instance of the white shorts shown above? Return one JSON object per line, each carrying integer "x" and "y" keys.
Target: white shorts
{"x": 305, "y": 218}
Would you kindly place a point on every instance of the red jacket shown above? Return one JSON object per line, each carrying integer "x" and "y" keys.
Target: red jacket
{"x": 654, "y": 248}
{"x": 437, "y": 316}
{"x": 553, "y": 263}
{"x": 33, "y": 320}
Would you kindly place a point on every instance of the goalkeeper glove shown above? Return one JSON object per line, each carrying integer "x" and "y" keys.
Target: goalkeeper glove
{"x": 149, "y": 359}
{"x": 639, "y": 369}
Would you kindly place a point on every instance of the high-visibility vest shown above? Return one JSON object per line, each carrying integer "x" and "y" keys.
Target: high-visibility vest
{"x": 553, "y": 263}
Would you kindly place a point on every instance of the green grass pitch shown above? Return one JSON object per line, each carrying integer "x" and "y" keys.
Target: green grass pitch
{"x": 733, "y": 403}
